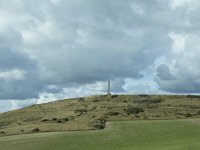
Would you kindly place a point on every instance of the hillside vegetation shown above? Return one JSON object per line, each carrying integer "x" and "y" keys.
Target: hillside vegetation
{"x": 91, "y": 113}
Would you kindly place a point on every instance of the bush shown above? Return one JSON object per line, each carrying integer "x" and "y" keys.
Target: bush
{"x": 137, "y": 116}
{"x": 22, "y": 130}
{"x": 150, "y": 101}
{"x": 2, "y": 132}
{"x": 134, "y": 110}
{"x": 143, "y": 95}
{"x": 81, "y": 99}
{"x": 198, "y": 113}
{"x": 188, "y": 115}
{"x": 36, "y": 130}
{"x": 44, "y": 120}
{"x": 59, "y": 121}
{"x": 99, "y": 124}
{"x": 65, "y": 119}
{"x": 54, "y": 119}
{"x": 96, "y": 100}
{"x": 114, "y": 96}
{"x": 193, "y": 96}
{"x": 81, "y": 110}
{"x": 112, "y": 113}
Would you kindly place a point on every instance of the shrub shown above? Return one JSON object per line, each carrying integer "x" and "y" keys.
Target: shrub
{"x": 149, "y": 101}
{"x": 143, "y": 95}
{"x": 22, "y": 130}
{"x": 96, "y": 100}
{"x": 98, "y": 124}
{"x": 54, "y": 119}
{"x": 188, "y": 115}
{"x": 114, "y": 96}
{"x": 81, "y": 99}
{"x": 80, "y": 110}
{"x": 65, "y": 119}
{"x": 134, "y": 110}
{"x": 36, "y": 130}
{"x": 137, "y": 116}
{"x": 198, "y": 113}
{"x": 44, "y": 120}
{"x": 193, "y": 96}
{"x": 59, "y": 121}
{"x": 113, "y": 113}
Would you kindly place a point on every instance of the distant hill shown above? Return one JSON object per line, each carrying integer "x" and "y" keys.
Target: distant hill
{"x": 91, "y": 113}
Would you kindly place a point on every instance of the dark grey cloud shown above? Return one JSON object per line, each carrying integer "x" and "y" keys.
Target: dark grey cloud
{"x": 18, "y": 75}
{"x": 15, "y": 59}
{"x": 97, "y": 41}
{"x": 164, "y": 73}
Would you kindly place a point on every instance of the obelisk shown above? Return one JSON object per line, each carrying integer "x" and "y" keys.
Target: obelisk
{"x": 109, "y": 93}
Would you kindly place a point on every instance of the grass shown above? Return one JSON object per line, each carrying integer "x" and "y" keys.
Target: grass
{"x": 122, "y": 135}
{"x": 73, "y": 114}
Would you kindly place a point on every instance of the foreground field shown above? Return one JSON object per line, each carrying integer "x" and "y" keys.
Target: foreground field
{"x": 126, "y": 135}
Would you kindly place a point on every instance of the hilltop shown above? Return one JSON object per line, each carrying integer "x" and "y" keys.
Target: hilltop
{"x": 91, "y": 113}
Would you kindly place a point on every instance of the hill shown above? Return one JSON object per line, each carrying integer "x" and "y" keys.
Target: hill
{"x": 91, "y": 113}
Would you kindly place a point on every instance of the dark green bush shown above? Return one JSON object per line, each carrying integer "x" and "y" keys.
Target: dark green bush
{"x": 112, "y": 113}
{"x": 98, "y": 124}
{"x": 59, "y": 121}
{"x": 80, "y": 110}
{"x": 134, "y": 110}
{"x": 193, "y": 96}
{"x": 54, "y": 119}
{"x": 44, "y": 120}
{"x": 36, "y": 130}
{"x": 114, "y": 96}
{"x": 188, "y": 115}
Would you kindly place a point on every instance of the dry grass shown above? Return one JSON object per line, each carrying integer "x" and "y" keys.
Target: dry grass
{"x": 73, "y": 114}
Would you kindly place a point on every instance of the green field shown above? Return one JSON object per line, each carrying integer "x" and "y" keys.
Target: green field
{"x": 126, "y": 135}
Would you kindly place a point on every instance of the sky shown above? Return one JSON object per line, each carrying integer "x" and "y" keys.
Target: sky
{"x": 56, "y": 49}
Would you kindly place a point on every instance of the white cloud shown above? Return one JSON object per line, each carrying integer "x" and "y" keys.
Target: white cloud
{"x": 180, "y": 3}
{"x": 17, "y": 104}
{"x": 178, "y": 43}
{"x": 137, "y": 9}
{"x": 13, "y": 75}
{"x": 141, "y": 87}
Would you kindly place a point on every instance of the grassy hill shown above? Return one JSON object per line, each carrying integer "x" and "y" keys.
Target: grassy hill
{"x": 181, "y": 134}
{"x": 91, "y": 113}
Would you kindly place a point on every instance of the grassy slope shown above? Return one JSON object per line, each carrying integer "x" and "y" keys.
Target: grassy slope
{"x": 129, "y": 135}
{"x": 94, "y": 108}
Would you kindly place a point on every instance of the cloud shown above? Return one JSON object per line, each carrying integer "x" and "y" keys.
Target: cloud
{"x": 96, "y": 43}
{"x": 13, "y": 75}
{"x": 71, "y": 48}
{"x": 18, "y": 75}
{"x": 17, "y": 104}
{"x": 181, "y": 72}
{"x": 164, "y": 73}
{"x": 5, "y": 105}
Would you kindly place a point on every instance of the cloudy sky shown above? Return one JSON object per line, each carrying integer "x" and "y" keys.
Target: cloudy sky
{"x": 54, "y": 49}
